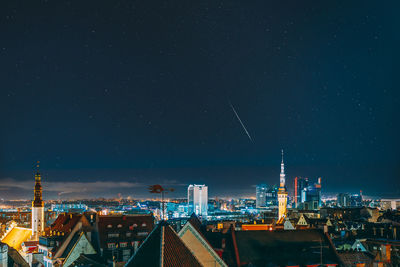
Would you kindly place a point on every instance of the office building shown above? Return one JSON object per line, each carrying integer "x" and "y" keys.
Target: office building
{"x": 261, "y": 195}
{"x": 300, "y": 185}
{"x": 343, "y": 200}
{"x": 307, "y": 196}
{"x": 198, "y": 199}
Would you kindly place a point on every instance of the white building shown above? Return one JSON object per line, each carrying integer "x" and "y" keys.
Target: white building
{"x": 198, "y": 199}
{"x": 38, "y": 222}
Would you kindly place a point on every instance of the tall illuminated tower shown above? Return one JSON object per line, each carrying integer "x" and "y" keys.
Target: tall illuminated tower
{"x": 37, "y": 207}
{"x": 198, "y": 199}
{"x": 282, "y": 193}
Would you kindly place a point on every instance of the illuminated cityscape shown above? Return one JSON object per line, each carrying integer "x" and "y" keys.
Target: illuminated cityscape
{"x": 213, "y": 133}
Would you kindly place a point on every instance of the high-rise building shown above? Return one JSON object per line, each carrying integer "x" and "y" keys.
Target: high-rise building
{"x": 356, "y": 200}
{"x": 307, "y": 195}
{"x": 343, "y": 200}
{"x": 282, "y": 193}
{"x": 272, "y": 196}
{"x": 37, "y": 208}
{"x": 261, "y": 195}
{"x": 347, "y": 200}
{"x": 198, "y": 199}
{"x": 300, "y": 185}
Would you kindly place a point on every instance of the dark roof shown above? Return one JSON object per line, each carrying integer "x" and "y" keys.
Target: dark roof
{"x": 195, "y": 222}
{"x": 71, "y": 244}
{"x": 88, "y": 261}
{"x": 122, "y": 224}
{"x": 350, "y": 258}
{"x": 163, "y": 244}
{"x": 15, "y": 259}
{"x": 284, "y": 247}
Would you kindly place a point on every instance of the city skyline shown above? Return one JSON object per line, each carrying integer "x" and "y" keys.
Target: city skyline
{"x": 175, "y": 94}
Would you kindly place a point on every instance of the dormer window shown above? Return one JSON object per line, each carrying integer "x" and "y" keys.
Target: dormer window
{"x": 131, "y": 227}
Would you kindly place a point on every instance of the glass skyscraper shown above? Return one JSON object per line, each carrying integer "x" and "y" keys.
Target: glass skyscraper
{"x": 198, "y": 199}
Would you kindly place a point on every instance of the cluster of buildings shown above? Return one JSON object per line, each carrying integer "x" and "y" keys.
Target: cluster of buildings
{"x": 307, "y": 195}
{"x": 271, "y": 230}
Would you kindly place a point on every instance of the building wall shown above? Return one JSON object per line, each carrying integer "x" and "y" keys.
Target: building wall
{"x": 37, "y": 221}
{"x": 198, "y": 199}
{"x": 3, "y": 255}
{"x": 282, "y": 198}
{"x": 261, "y": 195}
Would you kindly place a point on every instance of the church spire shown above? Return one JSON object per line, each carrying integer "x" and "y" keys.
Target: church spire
{"x": 282, "y": 194}
{"x": 38, "y": 200}
{"x": 38, "y": 221}
{"x": 282, "y": 176}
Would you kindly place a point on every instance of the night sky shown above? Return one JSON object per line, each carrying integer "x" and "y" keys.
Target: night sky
{"x": 112, "y": 96}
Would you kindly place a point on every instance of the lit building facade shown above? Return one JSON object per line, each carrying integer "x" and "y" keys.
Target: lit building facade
{"x": 282, "y": 193}
{"x": 343, "y": 200}
{"x": 261, "y": 195}
{"x": 307, "y": 196}
{"x": 300, "y": 185}
{"x": 272, "y": 196}
{"x": 198, "y": 199}
{"x": 38, "y": 221}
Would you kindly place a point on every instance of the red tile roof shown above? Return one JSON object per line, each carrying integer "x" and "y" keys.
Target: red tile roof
{"x": 163, "y": 245}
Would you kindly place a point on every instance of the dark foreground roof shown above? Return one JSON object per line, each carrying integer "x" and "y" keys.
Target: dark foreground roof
{"x": 89, "y": 261}
{"x": 15, "y": 259}
{"x": 299, "y": 247}
{"x": 163, "y": 245}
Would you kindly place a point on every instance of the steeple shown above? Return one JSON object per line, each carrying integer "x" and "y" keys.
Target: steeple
{"x": 38, "y": 200}
{"x": 282, "y": 175}
{"x": 282, "y": 194}
{"x": 38, "y": 221}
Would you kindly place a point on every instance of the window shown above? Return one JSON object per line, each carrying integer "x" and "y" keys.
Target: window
{"x": 111, "y": 245}
{"x": 142, "y": 233}
{"x": 132, "y": 226}
{"x": 123, "y": 244}
{"x": 128, "y": 234}
{"x": 111, "y": 235}
{"x": 119, "y": 226}
{"x": 144, "y": 224}
{"x": 109, "y": 226}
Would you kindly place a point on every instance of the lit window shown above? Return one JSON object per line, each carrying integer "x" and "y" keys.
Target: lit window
{"x": 123, "y": 244}
{"x": 111, "y": 245}
{"x": 109, "y": 226}
{"x": 144, "y": 224}
{"x": 119, "y": 225}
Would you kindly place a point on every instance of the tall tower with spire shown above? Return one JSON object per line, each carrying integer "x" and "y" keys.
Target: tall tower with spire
{"x": 282, "y": 193}
{"x": 37, "y": 207}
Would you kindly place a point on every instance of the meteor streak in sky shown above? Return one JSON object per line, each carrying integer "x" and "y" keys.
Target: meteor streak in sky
{"x": 237, "y": 116}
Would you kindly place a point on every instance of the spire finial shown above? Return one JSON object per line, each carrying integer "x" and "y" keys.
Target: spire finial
{"x": 282, "y": 155}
